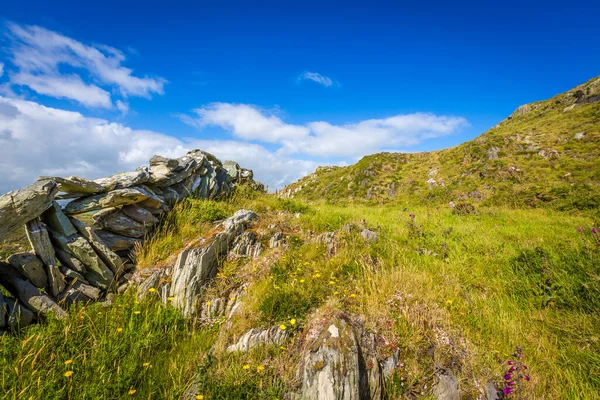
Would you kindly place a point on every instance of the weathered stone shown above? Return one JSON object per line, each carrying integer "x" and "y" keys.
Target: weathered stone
{"x": 69, "y": 260}
{"x": 28, "y": 294}
{"x": 259, "y": 337}
{"x": 276, "y": 240}
{"x": 446, "y": 387}
{"x": 72, "y": 275}
{"x": 117, "y": 242}
{"x": 42, "y": 247}
{"x": 233, "y": 171}
{"x": 167, "y": 172}
{"x": 74, "y": 185}
{"x": 112, "y": 260}
{"x": 96, "y": 272}
{"x": 328, "y": 239}
{"x": 151, "y": 282}
{"x": 20, "y": 206}
{"x": 390, "y": 364}
{"x": 18, "y": 317}
{"x": 80, "y": 292}
{"x": 339, "y": 362}
{"x": 114, "y": 198}
{"x": 140, "y": 214}
{"x": 369, "y": 235}
{"x": 121, "y": 224}
{"x": 245, "y": 245}
{"x": 58, "y": 221}
{"x": 30, "y": 267}
{"x": 124, "y": 180}
{"x": 196, "y": 266}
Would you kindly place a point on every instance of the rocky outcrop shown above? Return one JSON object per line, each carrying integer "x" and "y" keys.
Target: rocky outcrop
{"x": 339, "y": 361}
{"x": 196, "y": 266}
{"x": 259, "y": 337}
{"x": 72, "y": 261}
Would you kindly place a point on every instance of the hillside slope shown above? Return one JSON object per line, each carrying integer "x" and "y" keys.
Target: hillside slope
{"x": 546, "y": 152}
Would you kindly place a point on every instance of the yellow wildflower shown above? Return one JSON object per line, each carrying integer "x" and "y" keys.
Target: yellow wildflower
{"x": 137, "y": 312}
{"x": 331, "y": 282}
{"x": 68, "y": 374}
{"x": 336, "y": 293}
{"x": 199, "y": 397}
{"x": 246, "y": 367}
{"x": 119, "y": 330}
{"x": 146, "y": 364}
{"x": 170, "y": 298}
{"x": 293, "y": 321}
{"x": 449, "y": 302}
{"x": 353, "y": 295}
{"x": 260, "y": 368}
{"x": 68, "y": 362}
{"x": 152, "y": 290}
{"x": 132, "y": 391}
{"x": 317, "y": 275}
{"x": 282, "y": 327}
{"x": 301, "y": 280}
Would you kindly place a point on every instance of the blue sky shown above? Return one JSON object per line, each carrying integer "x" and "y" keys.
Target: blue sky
{"x": 281, "y": 88}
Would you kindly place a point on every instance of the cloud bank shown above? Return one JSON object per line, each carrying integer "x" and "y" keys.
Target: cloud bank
{"x": 55, "y": 65}
{"x": 37, "y": 140}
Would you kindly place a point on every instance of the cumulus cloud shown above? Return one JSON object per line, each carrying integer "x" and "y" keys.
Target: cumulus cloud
{"x": 37, "y": 140}
{"x": 58, "y": 66}
{"x": 318, "y": 78}
{"x": 320, "y": 138}
{"x": 246, "y": 122}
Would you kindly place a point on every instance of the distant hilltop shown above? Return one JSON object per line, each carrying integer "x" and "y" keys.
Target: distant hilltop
{"x": 544, "y": 153}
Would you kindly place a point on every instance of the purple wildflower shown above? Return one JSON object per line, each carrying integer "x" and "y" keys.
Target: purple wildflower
{"x": 511, "y": 369}
{"x": 510, "y": 362}
{"x": 507, "y": 377}
{"x": 508, "y": 391}
{"x": 594, "y": 230}
{"x": 526, "y": 377}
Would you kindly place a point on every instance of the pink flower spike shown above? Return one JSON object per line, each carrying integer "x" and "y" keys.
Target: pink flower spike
{"x": 524, "y": 367}
{"x": 507, "y": 377}
{"x": 512, "y": 383}
{"x": 511, "y": 369}
{"x": 510, "y": 362}
{"x": 508, "y": 391}
{"x": 526, "y": 377}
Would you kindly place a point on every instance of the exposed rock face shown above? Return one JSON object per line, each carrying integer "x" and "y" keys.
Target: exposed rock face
{"x": 117, "y": 242}
{"x": 259, "y": 337}
{"x": 246, "y": 246}
{"x": 140, "y": 215}
{"x": 112, "y": 260}
{"x": 276, "y": 240}
{"x": 74, "y": 184}
{"x": 196, "y": 266}
{"x": 21, "y": 206}
{"x": 30, "y": 267}
{"x": 369, "y": 235}
{"x": 124, "y": 180}
{"x": 339, "y": 362}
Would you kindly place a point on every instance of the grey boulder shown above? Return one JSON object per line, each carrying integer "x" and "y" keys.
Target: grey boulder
{"x": 30, "y": 267}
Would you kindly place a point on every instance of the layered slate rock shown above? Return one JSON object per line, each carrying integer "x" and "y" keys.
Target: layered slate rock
{"x": 339, "y": 361}
{"x": 259, "y": 337}
{"x": 40, "y": 243}
{"x": 32, "y": 298}
{"x": 31, "y": 267}
{"x": 114, "y": 198}
{"x": 21, "y": 206}
{"x": 196, "y": 266}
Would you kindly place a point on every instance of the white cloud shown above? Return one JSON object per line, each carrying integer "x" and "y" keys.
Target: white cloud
{"x": 321, "y": 138}
{"x": 316, "y": 77}
{"x": 1, "y": 69}
{"x": 37, "y": 140}
{"x": 41, "y": 56}
{"x": 246, "y": 122}
{"x": 122, "y": 106}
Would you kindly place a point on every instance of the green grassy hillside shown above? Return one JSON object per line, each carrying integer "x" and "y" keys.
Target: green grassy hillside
{"x": 545, "y": 153}
{"x": 451, "y": 290}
